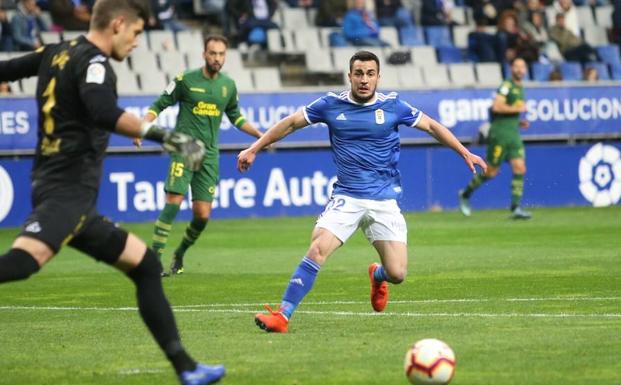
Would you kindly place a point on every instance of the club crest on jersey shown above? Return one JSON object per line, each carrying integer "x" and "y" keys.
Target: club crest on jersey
{"x": 225, "y": 91}
{"x": 379, "y": 116}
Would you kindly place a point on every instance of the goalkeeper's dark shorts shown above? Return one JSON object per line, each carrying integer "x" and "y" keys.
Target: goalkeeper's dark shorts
{"x": 66, "y": 214}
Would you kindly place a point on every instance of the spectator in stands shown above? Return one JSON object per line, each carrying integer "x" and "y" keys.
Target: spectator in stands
{"x": 572, "y": 47}
{"x": 616, "y": 22}
{"x": 512, "y": 41}
{"x": 6, "y": 40}
{"x": 392, "y": 13}
{"x": 252, "y": 16}
{"x": 71, "y": 15}
{"x": 26, "y": 26}
{"x": 482, "y": 44}
{"x": 331, "y": 13}
{"x": 567, "y": 8}
{"x": 215, "y": 9}
{"x": 5, "y": 88}
{"x": 489, "y": 9}
{"x": 437, "y": 12}
{"x": 165, "y": 16}
{"x": 535, "y": 27}
{"x": 590, "y": 74}
{"x": 530, "y": 7}
{"x": 556, "y": 76}
{"x": 303, "y": 3}
{"x": 361, "y": 28}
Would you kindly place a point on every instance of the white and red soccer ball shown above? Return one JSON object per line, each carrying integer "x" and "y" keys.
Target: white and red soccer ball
{"x": 430, "y": 361}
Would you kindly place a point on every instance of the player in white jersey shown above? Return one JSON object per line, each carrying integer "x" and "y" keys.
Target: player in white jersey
{"x": 364, "y": 134}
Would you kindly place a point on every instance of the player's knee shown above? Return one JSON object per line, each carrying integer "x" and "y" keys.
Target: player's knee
{"x": 491, "y": 172}
{"x": 519, "y": 169}
{"x": 148, "y": 268}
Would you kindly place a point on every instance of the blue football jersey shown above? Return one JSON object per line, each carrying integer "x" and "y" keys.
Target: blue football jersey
{"x": 365, "y": 141}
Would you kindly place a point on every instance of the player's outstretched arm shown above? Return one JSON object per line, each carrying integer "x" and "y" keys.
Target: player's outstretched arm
{"x": 21, "y": 67}
{"x": 274, "y": 134}
{"x": 251, "y": 130}
{"x": 191, "y": 149}
{"x": 446, "y": 137}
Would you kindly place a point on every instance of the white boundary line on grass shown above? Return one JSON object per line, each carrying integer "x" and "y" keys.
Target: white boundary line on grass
{"x": 335, "y": 313}
{"x": 416, "y": 301}
{"x": 235, "y": 308}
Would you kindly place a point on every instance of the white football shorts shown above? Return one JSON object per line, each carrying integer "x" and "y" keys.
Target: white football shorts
{"x": 381, "y": 220}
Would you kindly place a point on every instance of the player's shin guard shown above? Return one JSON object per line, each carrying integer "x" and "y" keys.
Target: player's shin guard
{"x": 474, "y": 184}
{"x": 192, "y": 232}
{"x": 17, "y": 264}
{"x": 300, "y": 284}
{"x": 517, "y": 189}
{"x": 163, "y": 225}
{"x": 156, "y": 312}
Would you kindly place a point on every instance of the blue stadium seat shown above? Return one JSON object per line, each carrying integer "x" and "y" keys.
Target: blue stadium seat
{"x": 571, "y": 70}
{"x": 542, "y": 71}
{"x": 615, "y": 70}
{"x": 438, "y": 36}
{"x": 450, "y": 55}
{"x": 601, "y": 68}
{"x": 506, "y": 70}
{"x": 411, "y": 36}
{"x": 609, "y": 53}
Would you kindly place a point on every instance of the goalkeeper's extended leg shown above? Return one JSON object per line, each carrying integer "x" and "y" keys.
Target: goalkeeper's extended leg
{"x": 158, "y": 316}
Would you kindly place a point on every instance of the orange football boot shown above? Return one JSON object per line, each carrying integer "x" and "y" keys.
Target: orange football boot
{"x": 275, "y": 321}
{"x": 379, "y": 291}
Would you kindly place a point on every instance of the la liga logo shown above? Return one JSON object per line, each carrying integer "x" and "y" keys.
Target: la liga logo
{"x": 6, "y": 193}
{"x": 600, "y": 175}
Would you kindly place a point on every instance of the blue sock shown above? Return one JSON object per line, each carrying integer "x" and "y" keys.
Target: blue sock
{"x": 300, "y": 284}
{"x": 379, "y": 275}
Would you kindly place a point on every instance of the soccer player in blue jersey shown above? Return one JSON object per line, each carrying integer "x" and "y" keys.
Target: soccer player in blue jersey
{"x": 363, "y": 126}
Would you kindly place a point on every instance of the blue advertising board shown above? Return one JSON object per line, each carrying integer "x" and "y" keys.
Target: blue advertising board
{"x": 553, "y": 112}
{"x": 292, "y": 183}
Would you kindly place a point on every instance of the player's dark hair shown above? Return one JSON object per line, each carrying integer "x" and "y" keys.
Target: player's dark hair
{"x": 106, "y": 10}
{"x": 364, "y": 56}
{"x": 215, "y": 37}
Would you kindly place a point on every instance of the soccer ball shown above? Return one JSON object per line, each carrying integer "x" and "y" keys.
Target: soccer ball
{"x": 430, "y": 361}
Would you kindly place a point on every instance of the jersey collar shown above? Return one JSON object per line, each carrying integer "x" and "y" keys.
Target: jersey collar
{"x": 370, "y": 102}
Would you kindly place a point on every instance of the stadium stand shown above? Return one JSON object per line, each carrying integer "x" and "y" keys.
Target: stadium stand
{"x": 462, "y": 74}
{"x": 541, "y": 71}
{"x": 438, "y": 36}
{"x": 412, "y": 36}
{"x": 488, "y": 74}
{"x": 571, "y": 71}
{"x": 436, "y": 76}
{"x": 189, "y": 41}
{"x": 601, "y": 68}
{"x": 267, "y": 79}
{"x": 300, "y": 53}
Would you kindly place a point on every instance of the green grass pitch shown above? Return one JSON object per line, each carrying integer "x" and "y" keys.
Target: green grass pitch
{"x": 534, "y": 302}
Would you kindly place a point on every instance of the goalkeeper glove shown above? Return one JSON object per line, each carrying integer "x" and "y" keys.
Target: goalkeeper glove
{"x": 192, "y": 150}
